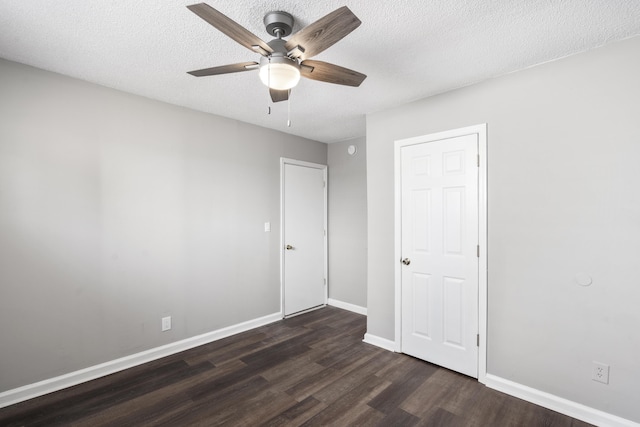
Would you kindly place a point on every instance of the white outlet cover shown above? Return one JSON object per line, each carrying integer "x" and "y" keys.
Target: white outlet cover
{"x": 166, "y": 323}
{"x": 600, "y": 372}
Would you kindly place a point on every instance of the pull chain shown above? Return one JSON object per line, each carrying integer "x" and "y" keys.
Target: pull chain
{"x": 288, "y": 95}
{"x": 269, "y": 84}
{"x": 289, "y": 108}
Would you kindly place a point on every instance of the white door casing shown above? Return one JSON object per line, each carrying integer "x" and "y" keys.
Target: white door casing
{"x": 441, "y": 233}
{"x": 303, "y": 239}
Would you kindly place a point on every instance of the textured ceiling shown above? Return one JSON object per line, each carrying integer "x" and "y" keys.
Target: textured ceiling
{"x": 410, "y": 49}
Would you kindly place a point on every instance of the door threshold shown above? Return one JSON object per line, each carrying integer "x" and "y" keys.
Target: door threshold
{"x": 297, "y": 313}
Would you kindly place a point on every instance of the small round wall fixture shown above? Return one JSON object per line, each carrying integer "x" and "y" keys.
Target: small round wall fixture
{"x": 352, "y": 149}
{"x": 583, "y": 279}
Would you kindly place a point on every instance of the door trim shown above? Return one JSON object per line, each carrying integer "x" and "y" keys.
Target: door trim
{"x": 481, "y": 131}
{"x": 286, "y": 161}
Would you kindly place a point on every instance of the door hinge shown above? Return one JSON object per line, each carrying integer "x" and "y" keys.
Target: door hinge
{"x": 325, "y": 282}
{"x": 324, "y": 184}
{"x": 478, "y": 340}
{"x": 478, "y": 157}
{"x": 478, "y": 251}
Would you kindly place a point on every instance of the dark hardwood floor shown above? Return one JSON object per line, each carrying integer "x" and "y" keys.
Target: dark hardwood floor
{"x": 312, "y": 369}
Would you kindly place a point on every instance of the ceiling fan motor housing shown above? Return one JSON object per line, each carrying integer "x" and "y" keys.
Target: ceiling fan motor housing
{"x": 279, "y": 55}
{"x": 279, "y": 24}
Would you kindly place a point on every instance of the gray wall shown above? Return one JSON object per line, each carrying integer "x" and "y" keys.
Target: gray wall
{"x": 564, "y": 144}
{"x": 115, "y": 211}
{"x": 348, "y": 223}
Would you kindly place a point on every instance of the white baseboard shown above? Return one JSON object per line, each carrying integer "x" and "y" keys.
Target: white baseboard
{"x": 380, "y": 342}
{"x": 30, "y": 391}
{"x": 347, "y": 306}
{"x": 558, "y": 404}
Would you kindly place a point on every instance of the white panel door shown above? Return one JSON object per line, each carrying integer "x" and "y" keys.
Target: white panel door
{"x": 439, "y": 241}
{"x": 303, "y": 237}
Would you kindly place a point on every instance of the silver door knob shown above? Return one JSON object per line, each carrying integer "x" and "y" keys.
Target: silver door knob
{"x": 406, "y": 261}
{"x": 288, "y": 247}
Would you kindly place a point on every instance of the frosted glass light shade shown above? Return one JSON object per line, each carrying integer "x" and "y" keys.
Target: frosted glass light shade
{"x": 280, "y": 75}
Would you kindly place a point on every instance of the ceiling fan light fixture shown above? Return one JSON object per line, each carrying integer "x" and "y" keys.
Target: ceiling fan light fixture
{"x": 279, "y": 72}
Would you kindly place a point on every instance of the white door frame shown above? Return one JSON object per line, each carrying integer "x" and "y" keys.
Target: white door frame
{"x": 285, "y": 161}
{"x": 481, "y": 131}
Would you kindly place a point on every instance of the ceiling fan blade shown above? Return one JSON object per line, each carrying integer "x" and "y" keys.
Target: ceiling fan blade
{"x": 231, "y": 28}
{"x": 330, "y": 73}
{"x": 324, "y": 33}
{"x": 279, "y": 95}
{"x": 225, "y": 69}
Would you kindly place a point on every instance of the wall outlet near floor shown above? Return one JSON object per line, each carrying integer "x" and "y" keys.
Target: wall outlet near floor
{"x": 600, "y": 372}
{"x": 166, "y": 323}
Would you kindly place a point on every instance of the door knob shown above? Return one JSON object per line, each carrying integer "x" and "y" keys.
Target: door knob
{"x": 406, "y": 261}
{"x": 288, "y": 247}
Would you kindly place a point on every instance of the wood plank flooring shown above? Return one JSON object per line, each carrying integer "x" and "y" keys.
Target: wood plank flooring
{"x": 309, "y": 370}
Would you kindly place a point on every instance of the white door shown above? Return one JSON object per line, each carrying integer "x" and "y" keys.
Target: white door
{"x": 439, "y": 246}
{"x": 303, "y": 236}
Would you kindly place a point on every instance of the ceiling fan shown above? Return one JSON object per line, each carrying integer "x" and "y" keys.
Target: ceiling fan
{"x": 284, "y": 61}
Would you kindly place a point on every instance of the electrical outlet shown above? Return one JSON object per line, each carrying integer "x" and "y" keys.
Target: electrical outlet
{"x": 166, "y": 323}
{"x": 600, "y": 372}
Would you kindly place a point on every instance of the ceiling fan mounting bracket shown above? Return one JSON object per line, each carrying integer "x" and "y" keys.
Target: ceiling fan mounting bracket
{"x": 279, "y": 24}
